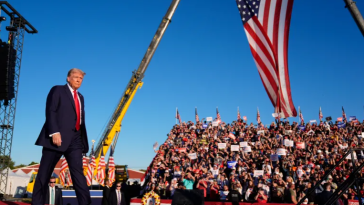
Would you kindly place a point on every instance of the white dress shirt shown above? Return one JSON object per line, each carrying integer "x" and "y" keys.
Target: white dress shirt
{"x": 79, "y": 100}
{"x": 52, "y": 189}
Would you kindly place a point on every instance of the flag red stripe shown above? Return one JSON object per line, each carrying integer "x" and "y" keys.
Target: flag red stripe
{"x": 275, "y": 25}
{"x": 266, "y": 15}
{"x": 285, "y": 53}
{"x": 261, "y": 45}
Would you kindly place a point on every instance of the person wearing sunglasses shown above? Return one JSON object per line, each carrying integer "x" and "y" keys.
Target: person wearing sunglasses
{"x": 117, "y": 197}
{"x": 54, "y": 194}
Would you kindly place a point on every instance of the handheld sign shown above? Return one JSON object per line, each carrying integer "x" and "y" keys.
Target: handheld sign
{"x": 221, "y": 145}
{"x": 274, "y": 157}
{"x": 247, "y": 149}
{"x": 258, "y": 173}
{"x": 192, "y": 156}
{"x": 231, "y": 164}
{"x": 243, "y": 144}
{"x": 300, "y": 145}
{"x": 234, "y": 148}
{"x": 281, "y": 151}
{"x": 208, "y": 119}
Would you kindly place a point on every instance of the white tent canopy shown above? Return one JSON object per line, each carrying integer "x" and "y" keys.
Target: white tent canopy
{"x": 15, "y": 181}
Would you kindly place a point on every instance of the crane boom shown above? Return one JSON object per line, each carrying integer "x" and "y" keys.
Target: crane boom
{"x": 114, "y": 124}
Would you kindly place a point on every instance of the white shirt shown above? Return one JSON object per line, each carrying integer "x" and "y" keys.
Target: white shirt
{"x": 50, "y": 194}
{"x": 79, "y": 101}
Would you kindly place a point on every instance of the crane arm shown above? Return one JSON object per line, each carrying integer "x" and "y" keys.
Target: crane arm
{"x": 114, "y": 124}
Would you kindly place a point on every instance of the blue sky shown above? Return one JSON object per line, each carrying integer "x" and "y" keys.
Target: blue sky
{"x": 203, "y": 61}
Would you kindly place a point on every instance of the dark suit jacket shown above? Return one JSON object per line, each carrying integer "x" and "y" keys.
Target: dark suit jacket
{"x": 58, "y": 200}
{"x": 105, "y": 195}
{"x": 61, "y": 117}
{"x": 323, "y": 197}
{"x": 113, "y": 200}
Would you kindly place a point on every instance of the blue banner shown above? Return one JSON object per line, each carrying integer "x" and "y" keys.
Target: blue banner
{"x": 231, "y": 164}
{"x": 341, "y": 125}
{"x": 204, "y": 126}
{"x": 302, "y": 127}
{"x": 351, "y": 118}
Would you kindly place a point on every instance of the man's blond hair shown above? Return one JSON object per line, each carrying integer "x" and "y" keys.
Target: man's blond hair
{"x": 75, "y": 70}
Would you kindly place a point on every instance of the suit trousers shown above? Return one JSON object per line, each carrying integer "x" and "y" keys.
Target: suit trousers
{"x": 50, "y": 157}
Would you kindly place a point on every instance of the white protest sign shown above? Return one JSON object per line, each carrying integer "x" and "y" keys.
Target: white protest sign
{"x": 362, "y": 134}
{"x": 288, "y": 132}
{"x": 155, "y": 145}
{"x": 260, "y": 132}
{"x": 291, "y": 143}
{"x": 286, "y": 142}
{"x": 243, "y": 144}
{"x": 281, "y": 151}
{"x": 221, "y": 145}
{"x": 274, "y": 157}
{"x": 215, "y": 124}
{"x": 208, "y": 119}
{"x": 192, "y": 156}
{"x": 300, "y": 145}
{"x": 235, "y": 148}
{"x": 258, "y": 173}
{"x": 313, "y": 121}
{"x": 275, "y": 114}
{"x": 247, "y": 149}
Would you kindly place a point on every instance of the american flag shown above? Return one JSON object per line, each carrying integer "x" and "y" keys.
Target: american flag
{"x": 258, "y": 116}
{"x": 344, "y": 115}
{"x": 62, "y": 174}
{"x": 320, "y": 115}
{"x": 266, "y": 24}
{"x": 84, "y": 165}
{"x": 178, "y": 117}
{"x": 111, "y": 165}
{"x": 218, "y": 117}
{"x": 69, "y": 179}
{"x": 301, "y": 116}
{"x": 196, "y": 116}
{"x": 239, "y": 117}
{"x": 90, "y": 168}
{"x": 100, "y": 177}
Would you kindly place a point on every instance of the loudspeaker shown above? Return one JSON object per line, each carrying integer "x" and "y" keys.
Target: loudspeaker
{"x": 7, "y": 71}
{"x": 188, "y": 197}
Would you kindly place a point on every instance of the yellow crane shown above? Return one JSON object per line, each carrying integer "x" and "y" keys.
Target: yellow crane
{"x": 113, "y": 127}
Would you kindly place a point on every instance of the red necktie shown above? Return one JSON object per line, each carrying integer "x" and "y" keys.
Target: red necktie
{"x": 77, "y": 104}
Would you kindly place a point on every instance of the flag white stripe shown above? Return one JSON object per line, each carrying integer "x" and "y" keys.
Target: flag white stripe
{"x": 270, "y": 89}
{"x": 263, "y": 57}
{"x": 270, "y": 27}
{"x": 261, "y": 11}
{"x": 261, "y": 37}
{"x": 281, "y": 68}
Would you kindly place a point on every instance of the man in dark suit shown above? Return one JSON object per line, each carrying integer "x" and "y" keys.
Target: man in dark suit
{"x": 54, "y": 194}
{"x": 324, "y": 196}
{"x": 63, "y": 133}
{"x": 117, "y": 197}
{"x": 106, "y": 193}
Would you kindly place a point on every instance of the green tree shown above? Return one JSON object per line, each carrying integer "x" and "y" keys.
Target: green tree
{"x": 33, "y": 163}
{"x": 5, "y": 161}
{"x": 20, "y": 166}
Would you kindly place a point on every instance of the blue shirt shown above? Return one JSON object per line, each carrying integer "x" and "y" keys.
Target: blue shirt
{"x": 188, "y": 183}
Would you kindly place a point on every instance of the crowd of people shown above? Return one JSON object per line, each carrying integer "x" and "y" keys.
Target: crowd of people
{"x": 255, "y": 163}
